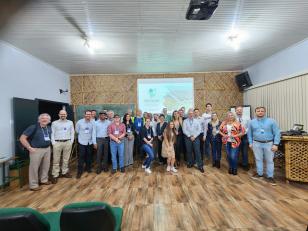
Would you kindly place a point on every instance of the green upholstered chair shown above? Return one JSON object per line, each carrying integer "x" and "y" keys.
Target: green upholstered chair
{"x": 94, "y": 216}
{"x": 22, "y": 219}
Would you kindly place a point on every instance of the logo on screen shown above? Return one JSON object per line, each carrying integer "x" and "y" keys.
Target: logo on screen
{"x": 152, "y": 92}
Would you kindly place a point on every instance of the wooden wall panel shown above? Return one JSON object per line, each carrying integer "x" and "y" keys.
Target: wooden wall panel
{"x": 218, "y": 88}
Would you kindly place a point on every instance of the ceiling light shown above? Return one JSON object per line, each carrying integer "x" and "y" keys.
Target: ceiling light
{"x": 236, "y": 37}
{"x": 93, "y": 45}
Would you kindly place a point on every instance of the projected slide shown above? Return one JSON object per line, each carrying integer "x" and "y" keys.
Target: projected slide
{"x": 173, "y": 93}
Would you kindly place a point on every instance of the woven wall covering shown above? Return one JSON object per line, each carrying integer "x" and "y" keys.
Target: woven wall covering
{"x": 218, "y": 88}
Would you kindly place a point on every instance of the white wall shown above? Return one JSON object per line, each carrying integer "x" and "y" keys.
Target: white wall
{"x": 24, "y": 76}
{"x": 286, "y": 63}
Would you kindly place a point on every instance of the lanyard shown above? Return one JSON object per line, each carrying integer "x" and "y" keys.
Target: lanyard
{"x": 45, "y": 135}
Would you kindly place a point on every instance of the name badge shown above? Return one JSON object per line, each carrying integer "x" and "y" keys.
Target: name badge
{"x": 64, "y": 128}
{"x": 149, "y": 136}
{"x": 116, "y": 132}
{"x": 87, "y": 130}
{"x": 129, "y": 130}
{"x": 139, "y": 124}
{"x": 46, "y": 138}
{"x": 262, "y": 130}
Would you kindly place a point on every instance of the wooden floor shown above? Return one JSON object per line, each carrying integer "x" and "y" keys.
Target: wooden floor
{"x": 188, "y": 200}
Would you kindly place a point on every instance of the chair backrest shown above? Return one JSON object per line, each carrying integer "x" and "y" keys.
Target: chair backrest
{"x": 94, "y": 218}
{"x": 22, "y": 220}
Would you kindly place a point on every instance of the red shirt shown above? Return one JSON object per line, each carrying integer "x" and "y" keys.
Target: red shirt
{"x": 115, "y": 130}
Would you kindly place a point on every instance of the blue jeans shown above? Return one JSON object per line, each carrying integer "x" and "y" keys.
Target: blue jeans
{"x": 190, "y": 146}
{"x": 207, "y": 148}
{"x": 149, "y": 151}
{"x": 115, "y": 149}
{"x": 260, "y": 151}
{"x": 216, "y": 149}
{"x": 244, "y": 150}
{"x": 232, "y": 154}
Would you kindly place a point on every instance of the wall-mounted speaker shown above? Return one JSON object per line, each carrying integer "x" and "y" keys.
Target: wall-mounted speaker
{"x": 243, "y": 81}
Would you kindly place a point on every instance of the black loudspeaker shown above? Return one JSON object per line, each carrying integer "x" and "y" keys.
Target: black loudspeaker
{"x": 243, "y": 81}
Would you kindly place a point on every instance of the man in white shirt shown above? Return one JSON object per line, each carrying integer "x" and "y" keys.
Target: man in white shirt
{"x": 207, "y": 118}
{"x": 201, "y": 121}
{"x": 86, "y": 131}
{"x": 191, "y": 130}
{"x": 62, "y": 139}
{"x": 244, "y": 143}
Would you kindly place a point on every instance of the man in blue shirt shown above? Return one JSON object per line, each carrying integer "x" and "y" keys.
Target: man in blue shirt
{"x": 264, "y": 138}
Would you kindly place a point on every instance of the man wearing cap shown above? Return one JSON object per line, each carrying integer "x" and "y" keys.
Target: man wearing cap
{"x": 117, "y": 132}
{"x": 62, "y": 138}
{"x": 102, "y": 140}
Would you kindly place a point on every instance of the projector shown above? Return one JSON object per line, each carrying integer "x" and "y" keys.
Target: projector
{"x": 201, "y": 9}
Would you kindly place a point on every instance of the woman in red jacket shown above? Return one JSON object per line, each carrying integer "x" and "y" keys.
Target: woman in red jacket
{"x": 232, "y": 131}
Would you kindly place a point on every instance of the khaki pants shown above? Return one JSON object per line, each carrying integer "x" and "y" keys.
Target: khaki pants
{"x": 58, "y": 148}
{"x": 39, "y": 166}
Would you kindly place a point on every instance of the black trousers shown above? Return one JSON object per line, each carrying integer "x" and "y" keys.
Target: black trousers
{"x": 102, "y": 152}
{"x": 85, "y": 156}
{"x": 159, "y": 148}
{"x": 179, "y": 147}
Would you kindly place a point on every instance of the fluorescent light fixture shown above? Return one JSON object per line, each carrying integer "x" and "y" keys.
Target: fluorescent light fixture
{"x": 235, "y": 37}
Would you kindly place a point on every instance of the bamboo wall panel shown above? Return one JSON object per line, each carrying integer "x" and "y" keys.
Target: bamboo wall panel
{"x": 218, "y": 88}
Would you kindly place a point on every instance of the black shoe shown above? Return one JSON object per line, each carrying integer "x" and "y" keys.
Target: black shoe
{"x": 113, "y": 171}
{"x": 246, "y": 167}
{"x": 230, "y": 171}
{"x": 271, "y": 181}
{"x": 234, "y": 171}
{"x": 201, "y": 169}
{"x": 214, "y": 164}
{"x": 189, "y": 166}
{"x": 89, "y": 170}
{"x": 98, "y": 171}
{"x": 105, "y": 169}
{"x": 122, "y": 169}
{"x": 54, "y": 180}
{"x": 218, "y": 164}
{"x": 78, "y": 175}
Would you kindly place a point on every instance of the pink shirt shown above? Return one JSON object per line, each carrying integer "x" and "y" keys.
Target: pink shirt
{"x": 115, "y": 130}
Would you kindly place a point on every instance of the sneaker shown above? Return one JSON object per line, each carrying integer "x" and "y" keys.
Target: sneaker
{"x": 98, "y": 171}
{"x": 256, "y": 176}
{"x": 174, "y": 170}
{"x": 168, "y": 168}
{"x": 201, "y": 169}
{"x": 271, "y": 181}
{"x": 148, "y": 170}
{"x": 143, "y": 166}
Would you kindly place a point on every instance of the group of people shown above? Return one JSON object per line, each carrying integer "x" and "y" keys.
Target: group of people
{"x": 150, "y": 136}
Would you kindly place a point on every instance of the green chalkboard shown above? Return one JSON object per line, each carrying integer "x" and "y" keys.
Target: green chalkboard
{"x": 120, "y": 109}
